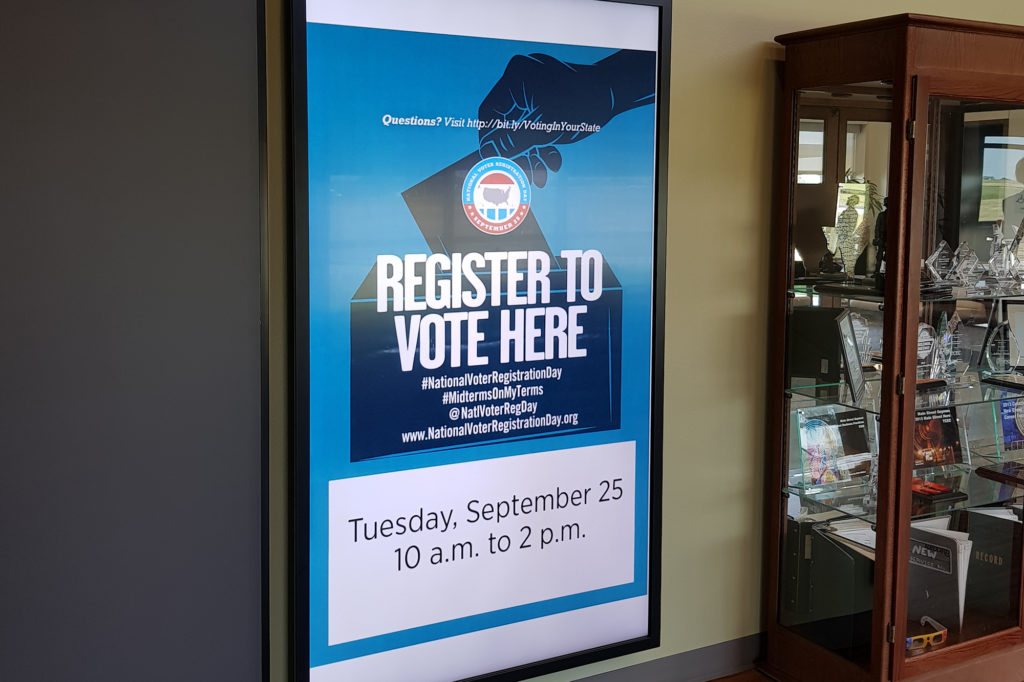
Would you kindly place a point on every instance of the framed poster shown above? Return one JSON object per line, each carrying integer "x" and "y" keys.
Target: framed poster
{"x": 478, "y": 275}
{"x": 852, "y": 368}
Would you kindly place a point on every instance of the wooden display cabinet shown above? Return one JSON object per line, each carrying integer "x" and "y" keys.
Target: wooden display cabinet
{"x": 894, "y": 524}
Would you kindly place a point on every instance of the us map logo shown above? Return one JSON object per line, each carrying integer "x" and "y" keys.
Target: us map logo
{"x": 496, "y": 196}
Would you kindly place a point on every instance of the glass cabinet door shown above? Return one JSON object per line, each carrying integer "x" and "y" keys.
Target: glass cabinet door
{"x": 835, "y": 331}
{"x": 964, "y": 573}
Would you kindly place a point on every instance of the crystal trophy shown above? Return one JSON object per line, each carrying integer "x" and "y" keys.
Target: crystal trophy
{"x": 1004, "y": 268}
{"x": 926, "y": 348}
{"x": 955, "y": 358}
{"x": 1003, "y": 276}
{"x": 1002, "y": 352}
{"x": 967, "y": 268}
{"x": 940, "y": 265}
{"x": 939, "y": 360}
{"x": 948, "y": 359}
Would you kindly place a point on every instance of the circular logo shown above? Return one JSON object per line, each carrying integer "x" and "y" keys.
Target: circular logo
{"x": 496, "y": 196}
{"x": 1018, "y": 414}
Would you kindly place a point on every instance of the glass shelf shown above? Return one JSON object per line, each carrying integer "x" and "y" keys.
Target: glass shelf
{"x": 836, "y": 288}
{"x": 970, "y": 390}
{"x": 869, "y": 293}
{"x": 947, "y": 295}
{"x": 848, "y": 499}
{"x": 839, "y": 395}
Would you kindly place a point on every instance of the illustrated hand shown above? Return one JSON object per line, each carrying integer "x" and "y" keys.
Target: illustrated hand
{"x": 541, "y": 101}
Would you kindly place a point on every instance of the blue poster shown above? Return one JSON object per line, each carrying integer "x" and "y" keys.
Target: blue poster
{"x": 481, "y": 286}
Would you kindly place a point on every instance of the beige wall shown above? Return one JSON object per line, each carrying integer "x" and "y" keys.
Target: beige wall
{"x": 723, "y": 98}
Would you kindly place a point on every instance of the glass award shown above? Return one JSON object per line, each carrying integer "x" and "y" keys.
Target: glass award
{"x": 926, "y": 347}
{"x": 969, "y": 270}
{"x": 939, "y": 359}
{"x": 1002, "y": 272}
{"x": 955, "y": 358}
{"x": 940, "y": 264}
{"x": 966, "y": 268}
{"x": 1002, "y": 352}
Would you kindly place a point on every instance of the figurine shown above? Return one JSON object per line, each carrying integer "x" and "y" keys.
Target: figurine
{"x": 850, "y": 238}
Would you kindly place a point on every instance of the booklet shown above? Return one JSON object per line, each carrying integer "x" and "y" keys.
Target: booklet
{"x": 937, "y": 437}
{"x": 937, "y": 580}
{"x": 856, "y": 440}
{"x": 993, "y": 586}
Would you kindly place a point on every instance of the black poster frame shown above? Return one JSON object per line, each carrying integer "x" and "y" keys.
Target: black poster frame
{"x": 298, "y": 322}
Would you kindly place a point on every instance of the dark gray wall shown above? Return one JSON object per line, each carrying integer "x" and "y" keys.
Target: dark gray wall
{"x": 130, "y": 394}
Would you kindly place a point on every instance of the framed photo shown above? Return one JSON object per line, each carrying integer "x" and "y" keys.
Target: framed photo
{"x": 479, "y": 200}
{"x": 853, "y": 371}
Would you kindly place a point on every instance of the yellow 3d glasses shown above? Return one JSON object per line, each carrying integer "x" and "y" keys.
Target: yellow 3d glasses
{"x": 918, "y": 643}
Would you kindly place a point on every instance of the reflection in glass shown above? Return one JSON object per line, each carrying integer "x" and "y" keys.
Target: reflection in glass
{"x": 810, "y": 152}
{"x": 965, "y": 537}
{"x": 867, "y": 152}
{"x": 834, "y": 339}
{"x": 1002, "y": 186}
